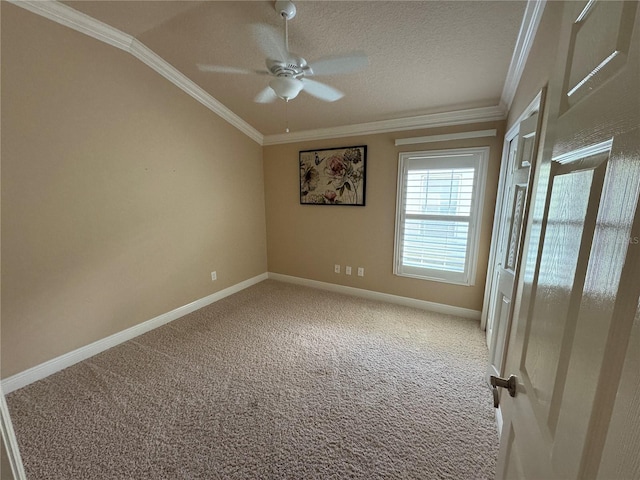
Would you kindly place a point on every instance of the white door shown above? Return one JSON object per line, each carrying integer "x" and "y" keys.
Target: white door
{"x": 579, "y": 287}
{"x": 499, "y": 219}
{"x": 523, "y": 150}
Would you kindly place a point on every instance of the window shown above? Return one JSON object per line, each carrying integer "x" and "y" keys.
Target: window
{"x": 438, "y": 214}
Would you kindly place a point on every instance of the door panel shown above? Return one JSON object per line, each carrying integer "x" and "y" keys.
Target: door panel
{"x": 578, "y": 294}
{"x": 513, "y": 243}
{"x": 599, "y": 48}
{"x": 620, "y": 457}
{"x": 514, "y": 466}
{"x": 565, "y": 223}
{"x": 609, "y": 247}
{"x": 502, "y": 316}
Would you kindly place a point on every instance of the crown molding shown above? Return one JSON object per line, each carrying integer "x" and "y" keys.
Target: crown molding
{"x": 527, "y": 34}
{"x": 459, "y": 117}
{"x": 67, "y": 16}
{"x": 71, "y": 18}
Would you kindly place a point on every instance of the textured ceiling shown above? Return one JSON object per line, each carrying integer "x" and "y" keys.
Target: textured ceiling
{"x": 425, "y": 56}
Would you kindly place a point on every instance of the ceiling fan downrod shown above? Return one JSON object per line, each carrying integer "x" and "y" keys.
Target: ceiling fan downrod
{"x": 287, "y": 11}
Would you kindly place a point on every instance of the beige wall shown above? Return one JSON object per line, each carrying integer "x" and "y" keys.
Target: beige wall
{"x": 120, "y": 193}
{"x": 307, "y": 240}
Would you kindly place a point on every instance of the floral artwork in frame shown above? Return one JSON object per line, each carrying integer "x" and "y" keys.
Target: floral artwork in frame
{"x": 333, "y": 176}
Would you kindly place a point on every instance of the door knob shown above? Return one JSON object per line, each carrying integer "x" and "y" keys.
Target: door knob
{"x": 508, "y": 383}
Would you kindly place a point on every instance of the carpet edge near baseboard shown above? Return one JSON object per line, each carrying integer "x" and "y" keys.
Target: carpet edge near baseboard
{"x": 54, "y": 365}
{"x": 383, "y": 297}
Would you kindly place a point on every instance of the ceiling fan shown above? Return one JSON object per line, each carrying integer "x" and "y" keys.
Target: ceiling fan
{"x": 290, "y": 72}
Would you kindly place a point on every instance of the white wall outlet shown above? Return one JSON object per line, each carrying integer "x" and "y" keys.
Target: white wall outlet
{"x": 361, "y": 271}
{"x": 214, "y": 276}
{"x": 347, "y": 270}
{"x": 336, "y": 268}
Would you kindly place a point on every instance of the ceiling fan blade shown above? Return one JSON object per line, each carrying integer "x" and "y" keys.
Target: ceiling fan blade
{"x": 266, "y": 96}
{"x": 270, "y": 41}
{"x": 336, "y": 64}
{"x": 321, "y": 90}
{"x": 225, "y": 69}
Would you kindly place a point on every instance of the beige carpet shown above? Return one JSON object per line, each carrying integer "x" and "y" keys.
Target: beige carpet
{"x": 277, "y": 381}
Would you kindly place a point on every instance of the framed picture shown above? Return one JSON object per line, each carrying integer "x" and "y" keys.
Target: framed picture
{"x": 333, "y": 176}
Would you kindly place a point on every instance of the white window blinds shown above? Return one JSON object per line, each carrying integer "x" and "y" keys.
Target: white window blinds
{"x": 438, "y": 209}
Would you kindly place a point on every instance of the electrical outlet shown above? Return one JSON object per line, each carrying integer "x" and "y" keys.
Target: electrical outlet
{"x": 336, "y": 268}
{"x": 214, "y": 276}
{"x": 361, "y": 271}
{"x": 347, "y": 270}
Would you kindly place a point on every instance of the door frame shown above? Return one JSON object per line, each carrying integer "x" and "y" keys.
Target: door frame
{"x": 10, "y": 443}
{"x": 512, "y": 133}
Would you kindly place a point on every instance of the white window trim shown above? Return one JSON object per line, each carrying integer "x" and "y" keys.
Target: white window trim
{"x": 479, "y": 156}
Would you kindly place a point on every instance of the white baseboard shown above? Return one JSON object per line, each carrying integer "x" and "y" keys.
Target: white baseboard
{"x": 385, "y": 297}
{"x": 45, "y": 369}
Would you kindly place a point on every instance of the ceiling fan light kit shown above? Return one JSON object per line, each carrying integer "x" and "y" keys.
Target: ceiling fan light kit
{"x": 286, "y": 88}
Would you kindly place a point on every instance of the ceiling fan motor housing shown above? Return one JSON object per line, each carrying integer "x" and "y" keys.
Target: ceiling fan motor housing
{"x": 294, "y": 67}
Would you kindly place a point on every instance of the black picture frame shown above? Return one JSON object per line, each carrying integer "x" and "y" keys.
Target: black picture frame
{"x": 333, "y": 176}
